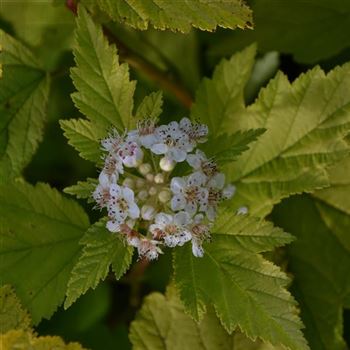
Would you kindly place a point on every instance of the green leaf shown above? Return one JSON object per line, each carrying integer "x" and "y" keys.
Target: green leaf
{"x": 85, "y": 137}
{"x": 293, "y": 27}
{"x": 162, "y": 324}
{"x": 226, "y": 148}
{"x": 151, "y": 106}
{"x": 220, "y": 100}
{"x": 105, "y": 93}
{"x": 24, "y": 89}
{"x": 83, "y": 189}
{"x": 12, "y": 314}
{"x": 40, "y": 231}
{"x": 179, "y": 15}
{"x": 245, "y": 289}
{"x": 19, "y": 339}
{"x": 241, "y": 342}
{"x": 338, "y": 194}
{"x": 101, "y": 249}
{"x": 49, "y": 34}
{"x": 320, "y": 261}
{"x": 305, "y": 121}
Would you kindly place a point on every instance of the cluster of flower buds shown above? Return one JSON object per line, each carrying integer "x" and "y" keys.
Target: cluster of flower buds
{"x": 148, "y": 205}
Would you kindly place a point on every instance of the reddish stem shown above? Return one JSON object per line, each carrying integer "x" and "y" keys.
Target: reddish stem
{"x": 138, "y": 62}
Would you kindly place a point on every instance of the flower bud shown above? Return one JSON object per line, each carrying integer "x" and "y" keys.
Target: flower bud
{"x": 142, "y": 195}
{"x": 164, "y": 196}
{"x": 147, "y": 212}
{"x": 140, "y": 183}
{"x": 129, "y": 182}
{"x": 145, "y": 168}
{"x": 229, "y": 191}
{"x": 150, "y": 177}
{"x": 159, "y": 178}
{"x": 242, "y": 211}
{"x": 152, "y": 191}
{"x": 167, "y": 164}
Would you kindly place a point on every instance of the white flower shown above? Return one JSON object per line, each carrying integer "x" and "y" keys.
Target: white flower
{"x": 173, "y": 229}
{"x": 121, "y": 205}
{"x": 215, "y": 185}
{"x": 172, "y": 142}
{"x": 189, "y": 193}
{"x": 112, "y": 143}
{"x": 130, "y": 153}
{"x": 196, "y": 132}
{"x": 214, "y": 197}
{"x": 102, "y": 192}
{"x": 172, "y": 211}
{"x": 200, "y": 162}
{"x": 216, "y": 194}
{"x": 217, "y": 181}
{"x": 148, "y": 248}
{"x": 144, "y": 135}
{"x": 112, "y": 168}
{"x": 200, "y": 233}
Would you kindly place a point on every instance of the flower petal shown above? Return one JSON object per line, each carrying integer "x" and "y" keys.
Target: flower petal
{"x": 184, "y": 237}
{"x": 194, "y": 161}
{"x": 178, "y": 202}
{"x": 159, "y": 148}
{"x": 217, "y": 181}
{"x": 196, "y": 179}
{"x": 191, "y": 208}
{"x": 103, "y": 179}
{"x": 113, "y": 226}
{"x": 197, "y": 250}
{"x": 177, "y": 185}
{"x": 134, "y": 211}
{"x": 182, "y": 218}
{"x": 115, "y": 190}
{"x": 163, "y": 219}
{"x": 148, "y": 141}
{"x": 211, "y": 213}
{"x": 128, "y": 194}
{"x": 177, "y": 154}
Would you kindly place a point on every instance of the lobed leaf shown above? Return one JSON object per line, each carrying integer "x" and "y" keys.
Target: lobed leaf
{"x": 306, "y": 122}
{"x": 337, "y": 195}
{"x": 151, "y": 106}
{"x": 85, "y": 137}
{"x": 83, "y": 189}
{"x": 220, "y": 100}
{"x": 19, "y": 339}
{"x": 179, "y": 15}
{"x": 320, "y": 261}
{"x": 24, "y": 90}
{"x": 12, "y": 314}
{"x": 162, "y": 324}
{"x": 40, "y": 231}
{"x": 226, "y": 148}
{"x": 101, "y": 249}
{"x": 105, "y": 92}
{"x": 245, "y": 289}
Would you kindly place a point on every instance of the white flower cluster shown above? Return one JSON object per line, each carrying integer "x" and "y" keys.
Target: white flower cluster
{"x": 144, "y": 202}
